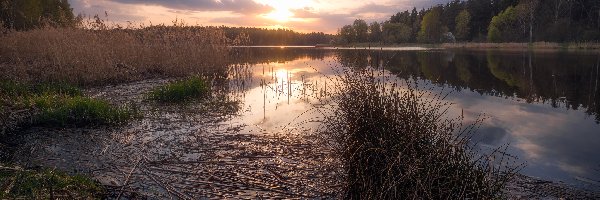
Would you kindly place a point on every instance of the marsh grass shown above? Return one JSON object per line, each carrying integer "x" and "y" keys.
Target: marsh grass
{"x": 180, "y": 91}
{"x": 98, "y": 54}
{"x": 17, "y": 183}
{"x": 400, "y": 142}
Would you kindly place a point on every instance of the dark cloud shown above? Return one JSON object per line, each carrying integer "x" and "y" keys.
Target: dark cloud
{"x": 117, "y": 14}
{"x": 238, "y": 6}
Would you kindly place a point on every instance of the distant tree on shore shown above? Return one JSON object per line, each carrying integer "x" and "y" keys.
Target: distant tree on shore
{"x": 462, "y": 28}
{"x": 361, "y": 30}
{"x": 28, "y": 14}
{"x": 504, "y": 28}
{"x": 276, "y": 37}
{"x": 396, "y": 33}
{"x": 473, "y": 20}
{"x": 375, "y": 32}
{"x": 432, "y": 28}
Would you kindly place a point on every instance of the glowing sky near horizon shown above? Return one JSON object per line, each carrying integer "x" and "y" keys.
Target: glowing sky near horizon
{"x": 300, "y": 15}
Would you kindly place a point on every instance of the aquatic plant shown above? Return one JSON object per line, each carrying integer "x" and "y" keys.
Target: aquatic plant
{"x": 182, "y": 90}
{"x": 18, "y": 183}
{"x": 399, "y": 142}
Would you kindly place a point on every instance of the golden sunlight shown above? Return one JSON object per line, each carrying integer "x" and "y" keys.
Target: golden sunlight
{"x": 280, "y": 15}
{"x": 282, "y": 10}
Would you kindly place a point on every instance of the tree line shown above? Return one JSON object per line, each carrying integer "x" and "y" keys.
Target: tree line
{"x": 483, "y": 20}
{"x": 263, "y": 36}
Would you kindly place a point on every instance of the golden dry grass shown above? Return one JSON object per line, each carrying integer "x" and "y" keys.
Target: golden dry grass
{"x": 98, "y": 55}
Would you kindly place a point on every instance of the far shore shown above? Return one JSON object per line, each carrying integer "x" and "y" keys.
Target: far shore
{"x": 474, "y": 45}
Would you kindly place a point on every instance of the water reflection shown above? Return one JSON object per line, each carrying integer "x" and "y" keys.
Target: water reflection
{"x": 545, "y": 104}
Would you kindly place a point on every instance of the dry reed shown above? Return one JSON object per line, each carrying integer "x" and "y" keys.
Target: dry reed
{"x": 96, "y": 54}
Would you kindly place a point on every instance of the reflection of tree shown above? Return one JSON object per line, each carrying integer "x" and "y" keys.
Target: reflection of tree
{"x": 267, "y": 55}
{"x": 559, "y": 79}
{"x": 495, "y": 65}
{"x": 354, "y": 58}
{"x": 432, "y": 67}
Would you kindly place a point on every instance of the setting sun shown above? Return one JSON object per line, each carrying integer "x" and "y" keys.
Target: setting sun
{"x": 280, "y": 15}
{"x": 283, "y": 10}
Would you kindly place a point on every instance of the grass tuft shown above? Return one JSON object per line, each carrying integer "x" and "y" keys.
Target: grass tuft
{"x": 17, "y": 183}
{"x": 181, "y": 91}
{"x": 78, "y": 111}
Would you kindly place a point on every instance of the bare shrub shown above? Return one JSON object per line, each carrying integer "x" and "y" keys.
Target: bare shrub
{"x": 399, "y": 142}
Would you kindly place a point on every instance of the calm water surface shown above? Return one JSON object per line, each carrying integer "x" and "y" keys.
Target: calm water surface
{"x": 544, "y": 104}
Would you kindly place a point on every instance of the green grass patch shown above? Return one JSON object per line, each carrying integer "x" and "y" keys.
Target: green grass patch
{"x": 59, "y": 105}
{"x": 181, "y": 91}
{"x": 78, "y": 111}
{"x": 15, "y": 89}
{"x": 16, "y": 183}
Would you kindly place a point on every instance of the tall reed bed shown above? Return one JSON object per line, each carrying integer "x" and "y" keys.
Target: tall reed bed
{"x": 96, "y": 54}
{"x": 400, "y": 142}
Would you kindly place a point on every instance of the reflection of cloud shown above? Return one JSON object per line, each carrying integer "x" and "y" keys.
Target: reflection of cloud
{"x": 554, "y": 142}
{"x": 490, "y": 135}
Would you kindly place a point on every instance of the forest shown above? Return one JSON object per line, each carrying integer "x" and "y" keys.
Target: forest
{"x": 483, "y": 21}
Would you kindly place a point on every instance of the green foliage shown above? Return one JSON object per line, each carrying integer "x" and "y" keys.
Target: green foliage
{"x": 503, "y": 27}
{"x": 463, "y": 28}
{"x": 396, "y": 33}
{"x": 361, "y": 29}
{"x": 347, "y": 34}
{"x": 29, "y": 14}
{"x": 181, "y": 91}
{"x": 60, "y": 104}
{"x": 375, "y": 32}
{"x": 61, "y": 111}
{"x": 17, "y": 183}
{"x": 432, "y": 28}
{"x": 15, "y": 89}
{"x": 550, "y": 21}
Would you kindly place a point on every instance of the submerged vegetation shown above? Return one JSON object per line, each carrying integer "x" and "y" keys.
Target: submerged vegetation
{"x": 400, "y": 143}
{"x": 182, "y": 90}
{"x": 18, "y": 183}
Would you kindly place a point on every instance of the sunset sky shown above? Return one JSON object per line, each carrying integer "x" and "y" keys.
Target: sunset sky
{"x": 300, "y": 15}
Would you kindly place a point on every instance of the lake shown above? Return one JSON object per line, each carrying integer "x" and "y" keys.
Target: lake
{"x": 543, "y": 104}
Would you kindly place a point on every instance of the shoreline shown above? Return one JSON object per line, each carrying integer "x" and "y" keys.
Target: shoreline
{"x": 479, "y": 46}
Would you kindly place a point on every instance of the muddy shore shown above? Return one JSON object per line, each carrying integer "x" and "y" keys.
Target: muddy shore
{"x": 200, "y": 150}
